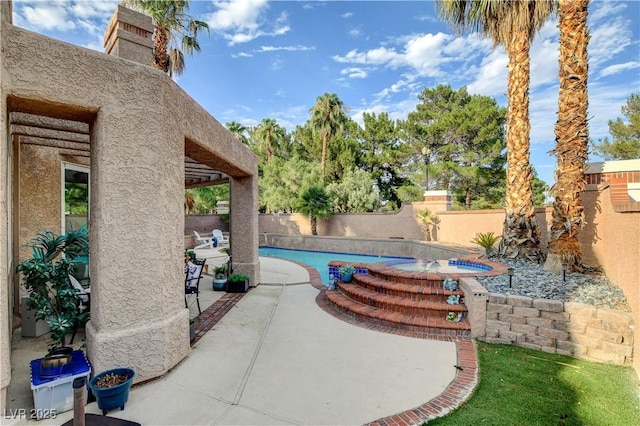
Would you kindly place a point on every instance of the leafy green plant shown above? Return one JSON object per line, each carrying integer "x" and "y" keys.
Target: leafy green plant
{"x": 220, "y": 272}
{"x": 486, "y": 241}
{"x": 46, "y": 277}
{"x": 237, "y": 278}
{"x": 347, "y": 269}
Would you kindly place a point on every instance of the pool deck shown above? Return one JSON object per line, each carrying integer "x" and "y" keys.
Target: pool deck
{"x": 278, "y": 354}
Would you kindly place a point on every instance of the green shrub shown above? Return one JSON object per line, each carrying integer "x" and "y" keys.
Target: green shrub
{"x": 486, "y": 241}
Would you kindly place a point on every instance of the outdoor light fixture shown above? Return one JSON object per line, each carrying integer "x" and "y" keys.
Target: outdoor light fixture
{"x": 564, "y": 272}
{"x": 510, "y": 271}
{"x": 426, "y": 153}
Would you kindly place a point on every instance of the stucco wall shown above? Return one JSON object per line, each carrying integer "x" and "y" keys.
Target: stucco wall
{"x": 142, "y": 126}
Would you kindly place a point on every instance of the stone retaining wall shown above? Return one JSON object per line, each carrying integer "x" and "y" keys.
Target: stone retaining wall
{"x": 574, "y": 329}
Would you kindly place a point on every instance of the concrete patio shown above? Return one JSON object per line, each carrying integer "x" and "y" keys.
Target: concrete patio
{"x": 278, "y": 358}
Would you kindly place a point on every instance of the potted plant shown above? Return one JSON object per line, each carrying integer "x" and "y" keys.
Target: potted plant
{"x": 190, "y": 255}
{"x": 111, "y": 388}
{"x": 45, "y": 276}
{"x": 237, "y": 283}
{"x": 219, "y": 277}
{"x": 346, "y": 273}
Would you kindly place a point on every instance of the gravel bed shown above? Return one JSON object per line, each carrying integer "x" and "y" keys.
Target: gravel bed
{"x": 531, "y": 280}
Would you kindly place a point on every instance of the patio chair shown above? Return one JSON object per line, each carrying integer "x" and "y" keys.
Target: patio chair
{"x": 204, "y": 241}
{"x": 84, "y": 300}
{"x": 193, "y": 273}
{"x": 219, "y": 236}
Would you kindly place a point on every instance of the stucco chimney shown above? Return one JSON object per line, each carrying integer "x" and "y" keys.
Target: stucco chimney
{"x": 129, "y": 36}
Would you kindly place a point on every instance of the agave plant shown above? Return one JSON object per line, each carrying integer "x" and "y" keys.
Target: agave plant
{"x": 46, "y": 277}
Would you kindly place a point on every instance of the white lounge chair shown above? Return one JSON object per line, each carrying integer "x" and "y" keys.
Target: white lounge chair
{"x": 219, "y": 236}
{"x": 204, "y": 241}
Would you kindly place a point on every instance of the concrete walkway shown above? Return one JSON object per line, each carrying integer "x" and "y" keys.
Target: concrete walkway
{"x": 277, "y": 358}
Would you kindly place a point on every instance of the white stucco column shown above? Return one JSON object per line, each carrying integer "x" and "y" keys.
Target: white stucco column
{"x": 244, "y": 227}
{"x": 138, "y": 318}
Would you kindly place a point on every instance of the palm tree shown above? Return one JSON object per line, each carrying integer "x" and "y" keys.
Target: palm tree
{"x": 238, "y": 130}
{"x": 172, "y": 25}
{"x": 271, "y": 134}
{"x": 316, "y": 204}
{"x": 328, "y": 117}
{"x": 512, "y": 24}
{"x": 572, "y": 138}
{"x": 427, "y": 220}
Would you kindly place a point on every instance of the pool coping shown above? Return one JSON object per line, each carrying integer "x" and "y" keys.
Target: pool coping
{"x": 454, "y": 395}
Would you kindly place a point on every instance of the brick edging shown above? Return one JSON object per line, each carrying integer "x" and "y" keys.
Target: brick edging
{"x": 214, "y": 313}
{"x": 456, "y": 393}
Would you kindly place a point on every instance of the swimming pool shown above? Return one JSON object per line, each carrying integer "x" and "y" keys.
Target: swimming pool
{"x": 320, "y": 259}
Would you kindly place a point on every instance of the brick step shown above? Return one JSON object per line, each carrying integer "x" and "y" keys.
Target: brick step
{"x": 421, "y": 278}
{"x": 399, "y": 304}
{"x": 396, "y": 320}
{"x": 432, "y": 291}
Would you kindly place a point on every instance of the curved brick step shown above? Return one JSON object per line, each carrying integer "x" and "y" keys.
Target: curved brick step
{"x": 436, "y": 308}
{"x": 415, "y": 323}
{"x": 432, "y": 291}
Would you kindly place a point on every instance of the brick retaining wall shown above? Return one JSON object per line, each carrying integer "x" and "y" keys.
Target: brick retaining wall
{"x": 574, "y": 329}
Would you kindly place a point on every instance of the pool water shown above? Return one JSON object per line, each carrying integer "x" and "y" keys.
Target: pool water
{"x": 442, "y": 266}
{"x": 320, "y": 259}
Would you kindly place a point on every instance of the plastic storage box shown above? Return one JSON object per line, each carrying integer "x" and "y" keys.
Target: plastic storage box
{"x": 55, "y": 395}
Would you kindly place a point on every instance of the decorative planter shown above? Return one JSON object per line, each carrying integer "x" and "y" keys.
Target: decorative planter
{"x": 237, "y": 286}
{"x": 219, "y": 284}
{"x": 347, "y": 277}
{"x": 110, "y": 398}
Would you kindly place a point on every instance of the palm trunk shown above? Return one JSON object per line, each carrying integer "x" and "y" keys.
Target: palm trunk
{"x": 314, "y": 225}
{"x": 323, "y": 159}
{"x": 160, "y": 49}
{"x": 520, "y": 236}
{"x": 572, "y": 138}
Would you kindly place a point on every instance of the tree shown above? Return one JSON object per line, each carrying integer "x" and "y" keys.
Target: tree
{"x": 283, "y": 183}
{"x": 626, "y": 137}
{"x": 238, "y": 130}
{"x": 512, "y": 24}
{"x": 572, "y": 138}
{"x": 316, "y": 204}
{"x": 465, "y": 135}
{"x": 354, "y": 193}
{"x": 328, "y": 116}
{"x": 172, "y": 26}
{"x": 428, "y": 220}
{"x": 272, "y": 138}
{"x": 382, "y": 154}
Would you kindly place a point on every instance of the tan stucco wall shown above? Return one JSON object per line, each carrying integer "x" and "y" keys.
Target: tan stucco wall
{"x": 142, "y": 125}
{"x": 6, "y": 265}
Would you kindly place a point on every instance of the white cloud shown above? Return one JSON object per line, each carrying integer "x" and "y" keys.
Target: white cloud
{"x": 47, "y": 16}
{"x": 240, "y": 21}
{"x": 617, "y": 68}
{"x": 354, "y": 72}
{"x": 608, "y": 40}
{"x": 284, "y": 48}
{"x": 492, "y": 75}
{"x": 599, "y": 10}
{"x": 347, "y": 15}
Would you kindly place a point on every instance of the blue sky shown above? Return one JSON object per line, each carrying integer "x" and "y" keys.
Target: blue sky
{"x": 272, "y": 59}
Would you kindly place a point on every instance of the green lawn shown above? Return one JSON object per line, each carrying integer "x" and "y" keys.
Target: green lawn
{"x": 524, "y": 387}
